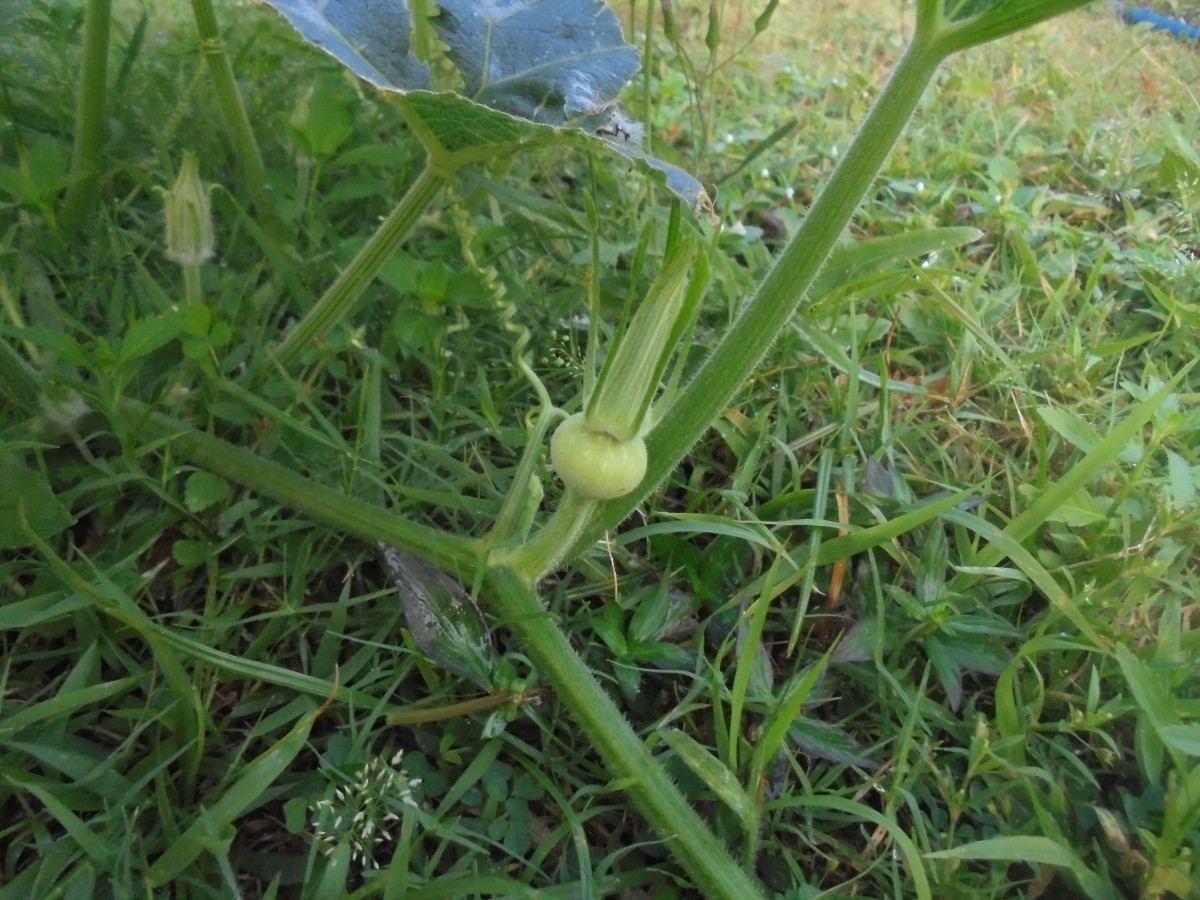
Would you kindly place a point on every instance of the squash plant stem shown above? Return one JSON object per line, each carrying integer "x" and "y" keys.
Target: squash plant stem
{"x": 780, "y": 294}
{"x": 81, "y": 196}
{"x": 632, "y": 766}
{"x": 245, "y": 147}
{"x": 354, "y": 279}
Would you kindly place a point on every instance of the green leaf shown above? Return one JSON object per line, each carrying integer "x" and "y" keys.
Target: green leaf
{"x": 196, "y": 319}
{"x": 332, "y": 884}
{"x": 1149, "y": 692}
{"x": 1077, "y": 511}
{"x": 715, "y": 774}
{"x": 321, "y": 120}
{"x": 1104, "y": 454}
{"x": 189, "y": 554}
{"x": 1184, "y": 738}
{"x": 835, "y": 353}
{"x": 18, "y": 184}
{"x": 652, "y": 614}
{"x": 441, "y": 616}
{"x": 462, "y": 132}
{"x": 931, "y": 569}
{"x": 244, "y": 794}
{"x": 102, "y": 852}
{"x": 912, "y": 856}
{"x": 528, "y": 69}
{"x": 432, "y": 282}
{"x": 203, "y": 489}
{"x": 35, "y": 610}
{"x": 146, "y": 335}
{"x": 979, "y": 21}
{"x": 852, "y": 261}
{"x": 791, "y": 698}
{"x": 551, "y": 61}
{"x": 26, "y": 501}
{"x": 1182, "y": 482}
{"x": 1185, "y": 146}
{"x": 543, "y": 60}
{"x": 1071, "y": 426}
{"x": 824, "y": 741}
{"x": 64, "y": 704}
{"x": 1032, "y": 849}
{"x": 373, "y": 40}
{"x": 608, "y": 625}
{"x": 702, "y": 523}
{"x": 948, "y": 670}
{"x": 1001, "y": 545}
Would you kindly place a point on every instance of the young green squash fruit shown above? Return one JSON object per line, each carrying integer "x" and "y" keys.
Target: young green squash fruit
{"x": 594, "y": 464}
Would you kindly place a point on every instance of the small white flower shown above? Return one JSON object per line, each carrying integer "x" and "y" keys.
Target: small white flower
{"x": 765, "y": 173}
{"x": 362, "y": 809}
{"x": 789, "y": 192}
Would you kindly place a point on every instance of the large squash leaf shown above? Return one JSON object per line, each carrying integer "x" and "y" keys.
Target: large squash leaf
{"x": 372, "y": 39}
{"x": 548, "y": 61}
{"x": 533, "y": 72}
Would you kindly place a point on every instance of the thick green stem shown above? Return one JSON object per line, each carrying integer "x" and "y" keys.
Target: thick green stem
{"x": 89, "y": 115}
{"x": 349, "y": 286}
{"x": 640, "y": 775}
{"x": 929, "y": 15}
{"x": 191, "y": 284}
{"x": 457, "y": 555}
{"x": 544, "y": 550}
{"x": 514, "y": 514}
{"x": 767, "y": 312}
{"x": 245, "y": 147}
{"x": 1000, "y": 21}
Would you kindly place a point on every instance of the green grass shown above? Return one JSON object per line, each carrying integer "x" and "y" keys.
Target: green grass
{"x": 197, "y": 682}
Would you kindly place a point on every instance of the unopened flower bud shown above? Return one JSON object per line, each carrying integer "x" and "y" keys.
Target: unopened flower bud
{"x": 620, "y": 402}
{"x": 190, "y": 238}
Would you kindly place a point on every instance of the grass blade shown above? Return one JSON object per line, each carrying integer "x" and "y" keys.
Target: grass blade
{"x": 1031, "y": 849}
{"x": 243, "y": 795}
{"x": 912, "y": 856}
{"x": 100, "y": 850}
{"x": 714, "y": 773}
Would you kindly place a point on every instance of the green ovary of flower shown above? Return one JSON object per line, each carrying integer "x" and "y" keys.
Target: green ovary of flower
{"x": 594, "y": 464}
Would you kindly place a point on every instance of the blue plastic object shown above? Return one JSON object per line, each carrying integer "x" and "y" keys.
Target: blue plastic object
{"x": 1135, "y": 15}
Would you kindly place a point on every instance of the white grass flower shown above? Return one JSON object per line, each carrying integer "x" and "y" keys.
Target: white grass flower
{"x": 361, "y": 806}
